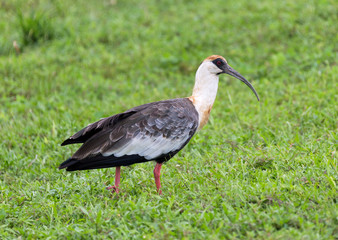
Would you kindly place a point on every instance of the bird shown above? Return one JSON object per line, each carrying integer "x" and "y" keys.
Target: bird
{"x": 154, "y": 131}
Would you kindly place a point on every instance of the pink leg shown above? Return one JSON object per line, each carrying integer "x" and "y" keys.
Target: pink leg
{"x": 117, "y": 181}
{"x": 157, "y": 174}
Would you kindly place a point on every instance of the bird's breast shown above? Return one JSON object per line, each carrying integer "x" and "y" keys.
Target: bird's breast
{"x": 204, "y": 117}
{"x": 203, "y": 110}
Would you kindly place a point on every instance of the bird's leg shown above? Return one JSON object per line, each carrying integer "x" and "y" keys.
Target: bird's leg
{"x": 117, "y": 180}
{"x": 157, "y": 174}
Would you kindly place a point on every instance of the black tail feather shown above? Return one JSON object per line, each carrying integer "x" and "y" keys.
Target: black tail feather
{"x": 67, "y": 163}
{"x": 100, "y": 161}
{"x": 71, "y": 141}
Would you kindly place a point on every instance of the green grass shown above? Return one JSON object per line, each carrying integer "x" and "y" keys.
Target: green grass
{"x": 258, "y": 170}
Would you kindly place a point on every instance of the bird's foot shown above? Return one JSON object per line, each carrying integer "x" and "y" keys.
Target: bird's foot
{"x": 115, "y": 189}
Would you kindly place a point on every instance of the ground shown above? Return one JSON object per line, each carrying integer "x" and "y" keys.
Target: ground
{"x": 258, "y": 170}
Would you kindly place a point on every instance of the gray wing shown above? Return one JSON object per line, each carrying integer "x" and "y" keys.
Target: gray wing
{"x": 149, "y": 131}
{"x": 95, "y": 128}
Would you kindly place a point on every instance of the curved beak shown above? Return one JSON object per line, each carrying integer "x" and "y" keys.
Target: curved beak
{"x": 229, "y": 70}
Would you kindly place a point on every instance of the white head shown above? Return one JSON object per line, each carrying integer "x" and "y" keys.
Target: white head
{"x": 213, "y": 66}
{"x": 206, "y": 84}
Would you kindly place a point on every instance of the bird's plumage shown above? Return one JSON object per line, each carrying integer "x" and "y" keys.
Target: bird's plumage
{"x": 153, "y": 131}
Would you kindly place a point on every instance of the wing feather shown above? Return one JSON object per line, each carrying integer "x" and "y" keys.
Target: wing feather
{"x": 150, "y": 132}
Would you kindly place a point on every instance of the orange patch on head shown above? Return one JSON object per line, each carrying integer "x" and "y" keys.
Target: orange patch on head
{"x": 213, "y": 57}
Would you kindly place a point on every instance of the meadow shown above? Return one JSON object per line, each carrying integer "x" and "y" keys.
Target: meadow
{"x": 258, "y": 170}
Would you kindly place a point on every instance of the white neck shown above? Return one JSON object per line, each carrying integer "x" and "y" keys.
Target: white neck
{"x": 204, "y": 93}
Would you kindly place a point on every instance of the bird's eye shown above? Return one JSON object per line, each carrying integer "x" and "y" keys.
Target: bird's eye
{"x": 219, "y": 63}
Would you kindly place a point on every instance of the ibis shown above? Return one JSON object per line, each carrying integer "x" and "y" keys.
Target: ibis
{"x": 151, "y": 132}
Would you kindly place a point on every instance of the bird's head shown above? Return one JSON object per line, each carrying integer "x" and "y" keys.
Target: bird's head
{"x": 217, "y": 65}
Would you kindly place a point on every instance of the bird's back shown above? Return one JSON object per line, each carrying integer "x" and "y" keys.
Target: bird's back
{"x": 153, "y": 131}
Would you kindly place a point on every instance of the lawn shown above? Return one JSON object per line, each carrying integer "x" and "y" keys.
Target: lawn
{"x": 258, "y": 170}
